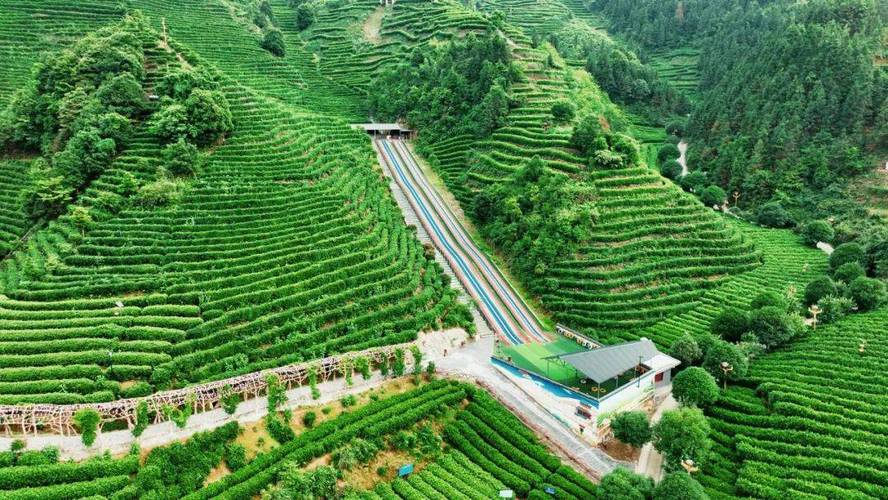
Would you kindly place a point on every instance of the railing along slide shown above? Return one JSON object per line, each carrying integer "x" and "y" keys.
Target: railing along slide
{"x": 500, "y": 305}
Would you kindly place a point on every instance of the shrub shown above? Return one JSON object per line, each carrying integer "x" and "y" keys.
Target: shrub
{"x": 877, "y": 258}
{"x": 230, "y": 399}
{"x": 730, "y": 324}
{"x": 682, "y": 434}
{"x": 774, "y": 326}
{"x": 772, "y": 214}
{"x": 694, "y": 386}
{"x": 833, "y": 308}
{"x": 607, "y": 159}
{"x": 693, "y": 182}
{"x": 179, "y": 416}
{"x": 122, "y": 94}
{"x": 87, "y": 421}
{"x": 768, "y": 299}
{"x": 632, "y": 428}
{"x": 181, "y": 158}
{"x": 671, "y": 169}
{"x": 305, "y": 16}
{"x": 868, "y": 293}
{"x": 819, "y": 288}
{"x": 667, "y": 152}
{"x": 848, "y": 272}
{"x": 817, "y": 231}
{"x": 47, "y": 193}
{"x": 278, "y": 429}
{"x": 847, "y": 253}
{"x": 209, "y": 115}
{"x": 713, "y": 196}
{"x": 171, "y": 122}
{"x": 159, "y": 193}
{"x": 137, "y": 390}
{"x": 358, "y": 451}
{"x": 141, "y": 419}
{"x": 624, "y": 484}
{"x": 403, "y": 440}
{"x": 686, "y": 349}
{"x": 679, "y": 486}
{"x": 349, "y": 400}
{"x": 398, "y": 362}
{"x": 417, "y": 359}
{"x": 277, "y": 393}
{"x": 721, "y": 351}
{"x": 588, "y": 135}
{"x": 676, "y": 128}
{"x": 178, "y": 84}
{"x": 563, "y": 111}
{"x": 235, "y": 456}
{"x": 274, "y": 42}
{"x": 309, "y": 418}
{"x": 81, "y": 218}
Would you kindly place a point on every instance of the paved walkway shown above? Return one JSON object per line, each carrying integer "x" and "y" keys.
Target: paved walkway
{"x": 473, "y": 363}
{"x": 249, "y": 411}
{"x": 683, "y": 157}
{"x": 650, "y": 462}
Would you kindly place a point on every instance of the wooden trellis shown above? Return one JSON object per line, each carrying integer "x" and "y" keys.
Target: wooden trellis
{"x": 58, "y": 419}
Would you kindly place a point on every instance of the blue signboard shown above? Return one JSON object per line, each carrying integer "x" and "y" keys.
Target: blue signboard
{"x": 405, "y": 469}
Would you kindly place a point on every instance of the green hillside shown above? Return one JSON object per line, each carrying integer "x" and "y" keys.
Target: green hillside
{"x": 286, "y": 247}
{"x": 277, "y": 240}
{"x": 808, "y": 421}
{"x": 464, "y": 444}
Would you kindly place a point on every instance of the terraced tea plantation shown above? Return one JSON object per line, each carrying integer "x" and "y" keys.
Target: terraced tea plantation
{"x": 282, "y": 243}
{"x": 287, "y": 247}
{"x": 465, "y": 451}
{"x": 786, "y": 269}
{"x": 807, "y": 422}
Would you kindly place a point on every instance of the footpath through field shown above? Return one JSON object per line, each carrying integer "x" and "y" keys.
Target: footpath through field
{"x": 502, "y": 308}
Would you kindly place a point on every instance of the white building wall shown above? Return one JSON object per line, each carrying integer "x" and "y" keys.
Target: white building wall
{"x": 628, "y": 397}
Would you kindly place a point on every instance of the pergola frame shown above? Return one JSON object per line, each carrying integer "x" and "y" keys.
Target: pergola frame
{"x": 59, "y": 419}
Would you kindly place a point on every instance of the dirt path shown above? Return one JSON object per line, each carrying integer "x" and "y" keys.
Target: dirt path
{"x": 683, "y": 157}
{"x": 373, "y": 26}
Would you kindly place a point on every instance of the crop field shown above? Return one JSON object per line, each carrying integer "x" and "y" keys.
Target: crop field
{"x": 208, "y": 29}
{"x": 476, "y": 450}
{"x": 652, "y": 251}
{"x": 678, "y": 67}
{"x": 13, "y": 224}
{"x": 787, "y": 267}
{"x": 809, "y": 421}
{"x": 286, "y": 247}
{"x": 345, "y": 52}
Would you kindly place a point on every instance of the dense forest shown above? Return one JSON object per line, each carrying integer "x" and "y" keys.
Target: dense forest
{"x": 618, "y": 70}
{"x": 671, "y": 23}
{"x": 456, "y": 87}
{"x": 791, "y": 103}
{"x": 786, "y": 119}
